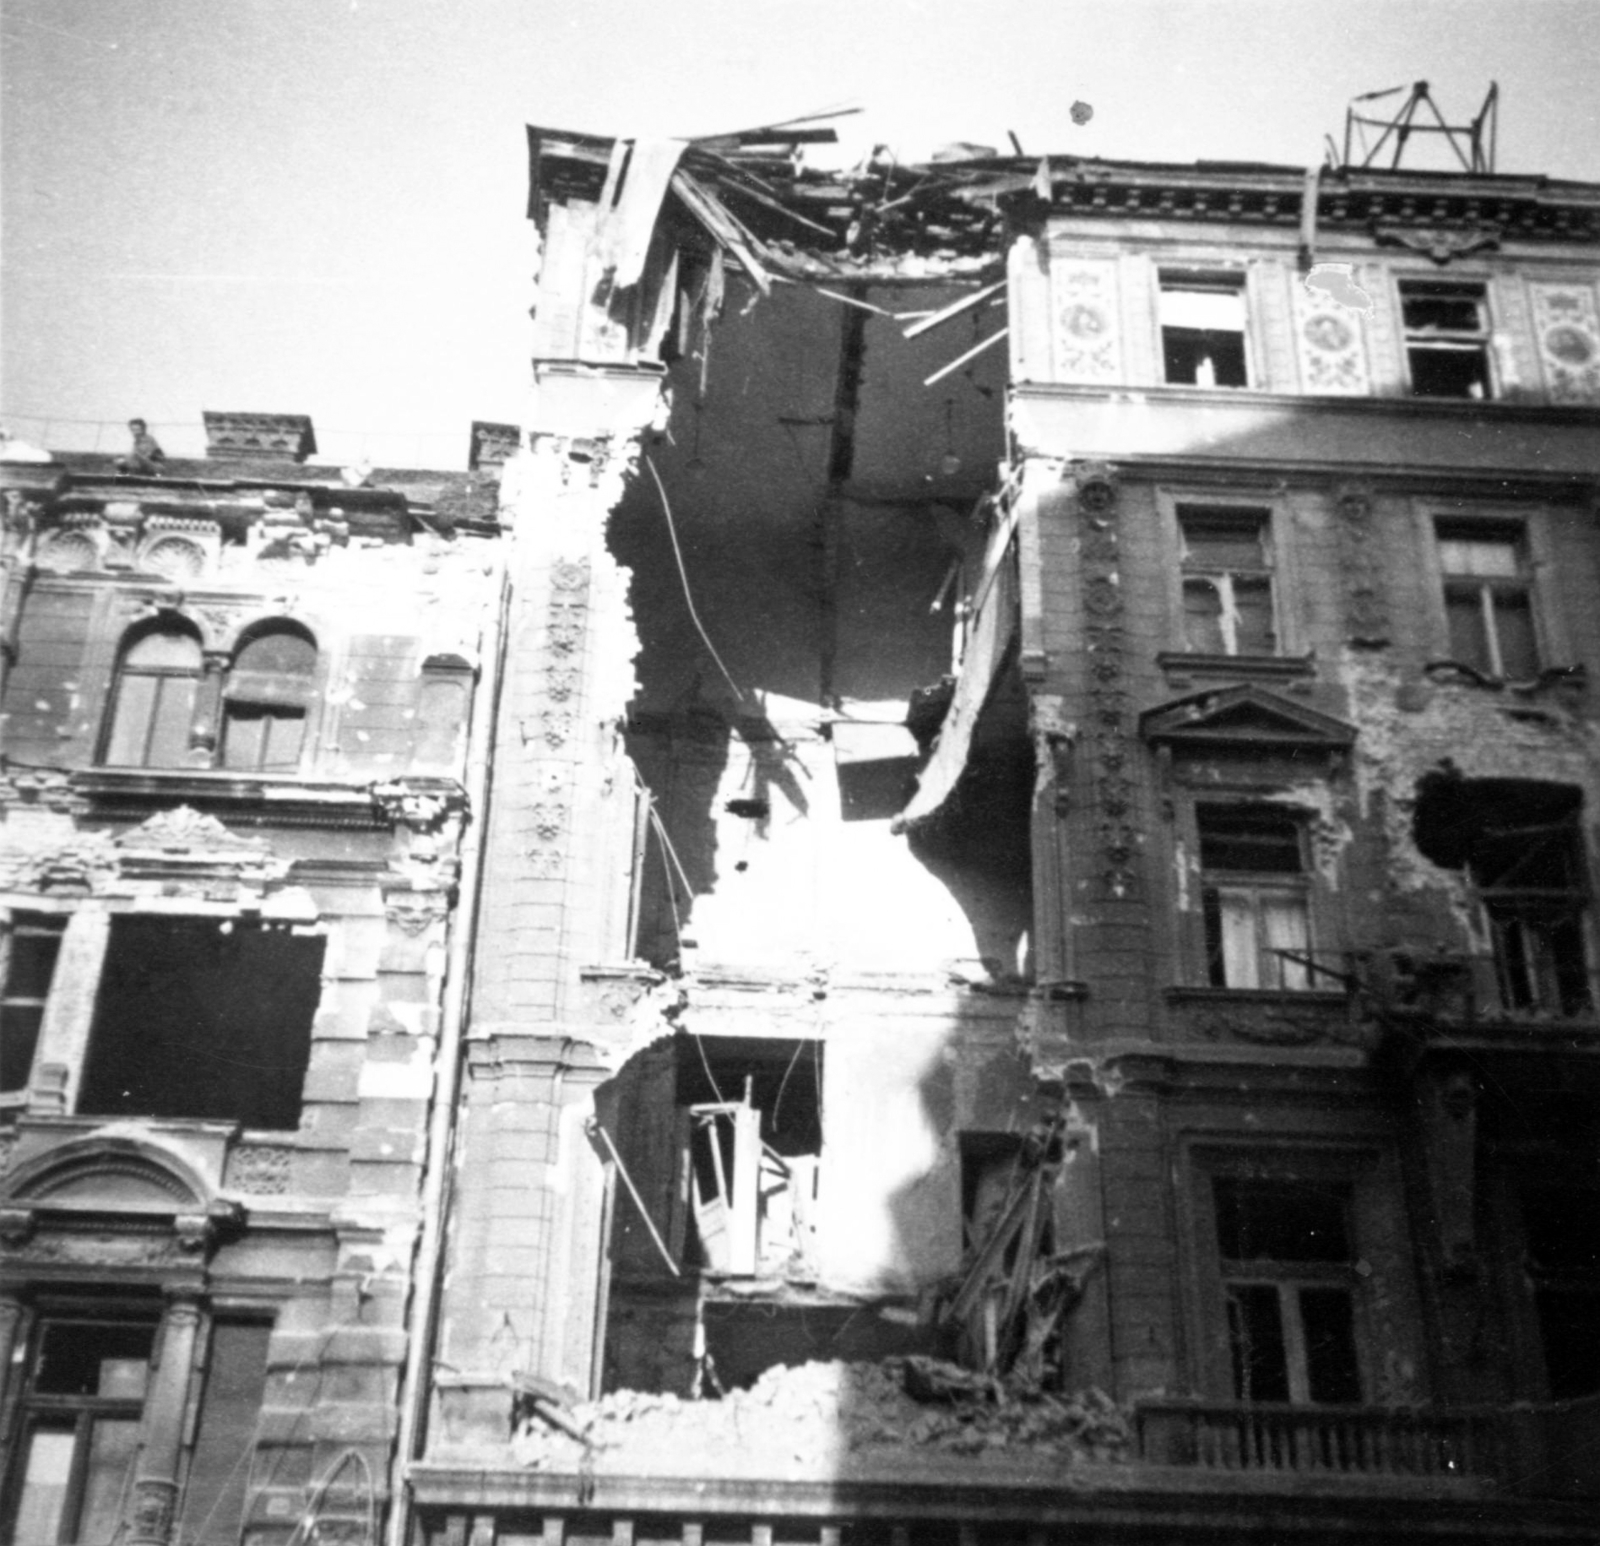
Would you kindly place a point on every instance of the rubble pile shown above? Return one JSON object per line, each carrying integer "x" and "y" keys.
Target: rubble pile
{"x": 797, "y": 1420}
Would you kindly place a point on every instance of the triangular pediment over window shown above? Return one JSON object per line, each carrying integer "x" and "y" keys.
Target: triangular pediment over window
{"x": 1247, "y": 717}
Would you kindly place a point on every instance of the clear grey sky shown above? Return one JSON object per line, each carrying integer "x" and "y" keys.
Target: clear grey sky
{"x": 316, "y": 206}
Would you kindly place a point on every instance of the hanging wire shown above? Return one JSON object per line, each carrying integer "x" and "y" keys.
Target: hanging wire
{"x": 683, "y": 574}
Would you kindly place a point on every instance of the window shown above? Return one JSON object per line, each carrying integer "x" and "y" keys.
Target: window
{"x": 1288, "y": 1275}
{"x": 158, "y": 681}
{"x": 1254, "y": 898}
{"x": 28, "y": 951}
{"x": 1203, "y": 330}
{"x": 1522, "y": 846}
{"x": 264, "y": 701}
{"x": 1227, "y": 582}
{"x": 1447, "y": 338}
{"x": 86, "y": 1396}
{"x": 1488, "y": 599}
{"x": 1561, "y": 1230}
{"x": 205, "y": 1018}
{"x": 80, "y": 1427}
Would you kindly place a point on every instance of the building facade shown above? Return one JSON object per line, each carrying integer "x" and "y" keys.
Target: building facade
{"x": 237, "y": 701}
{"x": 961, "y": 911}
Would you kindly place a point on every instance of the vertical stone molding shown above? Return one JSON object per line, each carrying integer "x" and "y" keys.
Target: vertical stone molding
{"x": 153, "y": 1500}
{"x": 69, "y": 1014}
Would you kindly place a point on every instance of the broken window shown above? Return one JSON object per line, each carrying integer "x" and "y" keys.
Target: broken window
{"x": 1447, "y": 338}
{"x": 83, "y": 1403}
{"x": 755, "y": 1141}
{"x": 1488, "y": 599}
{"x": 1561, "y": 1232}
{"x": 154, "y": 698}
{"x": 81, "y": 1410}
{"x": 28, "y": 951}
{"x": 268, "y": 689}
{"x": 1522, "y": 846}
{"x": 1203, "y": 330}
{"x": 1288, "y": 1287}
{"x": 1227, "y": 582}
{"x": 203, "y": 1017}
{"x": 1254, "y": 897}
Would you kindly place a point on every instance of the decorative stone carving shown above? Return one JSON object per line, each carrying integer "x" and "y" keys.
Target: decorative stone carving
{"x": 1273, "y": 1024}
{"x": 1097, "y": 499}
{"x": 413, "y": 911}
{"x": 1088, "y": 334}
{"x": 1330, "y": 340}
{"x": 1568, "y": 330}
{"x": 1366, "y": 604}
{"x": 549, "y": 820}
{"x": 1440, "y": 243}
{"x": 68, "y": 551}
{"x": 421, "y": 804}
{"x": 186, "y": 830}
{"x": 150, "y": 1513}
{"x": 260, "y": 1169}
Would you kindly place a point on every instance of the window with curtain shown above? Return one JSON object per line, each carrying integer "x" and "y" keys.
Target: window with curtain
{"x": 1488, "y": 599}
{"x": 152, "y": 716}
{"x": 1227, "y": 582}
{"x": 265, "y": 698}
{"x": 1254, "y": 898}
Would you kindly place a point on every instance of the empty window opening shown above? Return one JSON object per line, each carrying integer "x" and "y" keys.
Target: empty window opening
{"x": 1203, "y": 330}
{"x": 1227, "y": 582}
{"x": 754, "y": 1143}
{"x": 28, "y": 951}
{"x": 81, "y": 1410}
{"x": 268, "y": 689}
{"x": 203, "y": 1018}
{"x": 1488, "y": 599}
{"x": 1287, "y": 1268}
{"x": 1561, "y": 1231}
{"x": 154, "y": 700}
{"x": 1254, "y": 898}
{"x": 1521, "y": 845}
{"x": 1447, "y": 338}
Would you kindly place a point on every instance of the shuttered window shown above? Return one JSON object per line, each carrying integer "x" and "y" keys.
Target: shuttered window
{"x": 224, "y": 1449}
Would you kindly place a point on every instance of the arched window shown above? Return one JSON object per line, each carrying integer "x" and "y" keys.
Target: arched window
{"x": 265, "y": 699}
{"x": 158, "y": 677}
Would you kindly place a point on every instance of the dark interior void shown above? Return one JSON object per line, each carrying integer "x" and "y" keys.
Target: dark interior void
{"x": 203, "y": 1018}
{"x": 1561, "y": 1233}
{"x": 1521, "y": 844}
{"x": 980, "y": 841}
{"x": 744, "y": 1340}
{"x": 1203, "y": 357}
{"x": 1444, "y": 371}
{"x": 783, "y": 1079}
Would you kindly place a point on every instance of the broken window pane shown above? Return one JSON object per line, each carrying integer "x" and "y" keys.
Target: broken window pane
{"x": 1281, "y": 1220}
{"x": 31, "y": 948}
{"x": 1255, "y": 1331}
{"x": 1447, "y": 338}
{"x": 1327, "y": 1319}
{"x": 1257, "y": 933}
{"x": 203, "y": 1018}
{"x": 268, "y": 689}
{"x": 1203, "y": 331}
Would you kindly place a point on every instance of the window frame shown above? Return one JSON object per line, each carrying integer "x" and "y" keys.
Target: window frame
{"x": 1370, "y": 1180}
{"x": 1256, "y": 887}
{"x": 35, "y": 1409}
{"x": 161, "y": 675}
{"x": 1477, "y": 342}
{"x": 1513, "y": 535}
{"x": 1207, "y": 278}
{"x": 26, "y": 921}
{"x": 1189, "y": 517}
{"x": 245, "y": 697}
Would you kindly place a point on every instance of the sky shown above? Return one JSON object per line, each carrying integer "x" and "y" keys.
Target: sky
{"x": 317, "y": 206}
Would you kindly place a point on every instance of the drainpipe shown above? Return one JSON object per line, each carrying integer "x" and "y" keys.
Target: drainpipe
{"x": 414, "y": 1385}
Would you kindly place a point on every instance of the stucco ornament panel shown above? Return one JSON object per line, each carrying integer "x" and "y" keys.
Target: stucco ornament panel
{"x": 1088, "y": 336}
{"x": 1568, "y": 330}
{"x": 1331, "y": 343}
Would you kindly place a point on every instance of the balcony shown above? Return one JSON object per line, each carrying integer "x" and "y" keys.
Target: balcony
{"x": 1548, "y": 1451}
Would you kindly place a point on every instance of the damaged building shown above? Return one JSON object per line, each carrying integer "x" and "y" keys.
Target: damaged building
{"x": 238, "y": 693}
{"x": 991, "y": 936}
